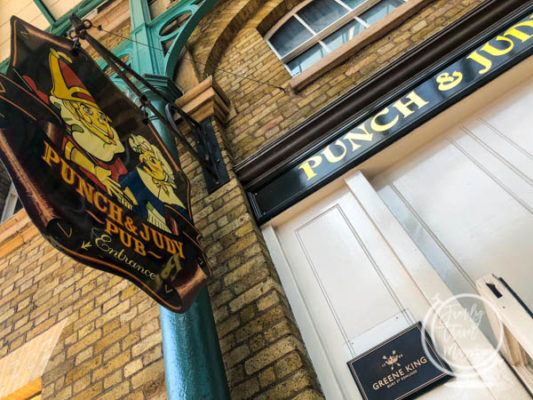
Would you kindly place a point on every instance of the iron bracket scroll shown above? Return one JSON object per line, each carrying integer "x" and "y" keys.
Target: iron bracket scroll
{"x": 207, "y": 150}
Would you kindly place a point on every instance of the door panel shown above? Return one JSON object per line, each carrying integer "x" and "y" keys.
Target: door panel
{"x": 331, "y": 249}
{"x": 349, "y": 289}
{"x": 467, "y": 199}
{"x": 333, "y": 272}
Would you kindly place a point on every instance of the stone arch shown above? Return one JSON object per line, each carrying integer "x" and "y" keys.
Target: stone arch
{"x": 217, "y": 30}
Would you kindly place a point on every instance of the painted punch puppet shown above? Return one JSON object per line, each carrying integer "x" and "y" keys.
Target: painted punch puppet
{"x": 92, "y": 144}
{"x": 154, "y": 184}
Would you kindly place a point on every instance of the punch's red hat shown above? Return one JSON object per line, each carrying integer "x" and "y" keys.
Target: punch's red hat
{"x": 66, "y": 84}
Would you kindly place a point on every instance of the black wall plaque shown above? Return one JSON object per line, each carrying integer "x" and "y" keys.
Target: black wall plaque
{"x": 398, "y": 368}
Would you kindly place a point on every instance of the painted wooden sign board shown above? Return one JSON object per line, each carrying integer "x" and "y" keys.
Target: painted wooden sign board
{"x": 92, "y": 173}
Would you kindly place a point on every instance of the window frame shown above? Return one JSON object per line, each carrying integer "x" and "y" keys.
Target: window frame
{"x": 318, "y": 38}
{"x": 10, "y": 203}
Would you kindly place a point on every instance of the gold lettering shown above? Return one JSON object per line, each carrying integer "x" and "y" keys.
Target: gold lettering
{"x": 145, "y": 233}
{"x": 158, "y": 239}
{"x": 447, "y": 81}
{"x": 139, "y": 247}
{"x": 100, "y": 202}
{"x": 50, "y": 155}
{"x": 85, "y": 190}
{"x": 352, "y": 136}
{"x": 308, "y": 165}
{"x": 494, "y": 51}
{"x": 110, "y": 227}
{"x": 67, "y": 173}
{"x": 414, "y": 99}
{"x": 515, "y": 32}
{"x": 378, "y": 127}
{"x": 179, "y": 247}
{"x": 115, "y": 213}
{"x": 332, "y": 158}
{"x": 125, "y": 238}
{"x": 481, "y": 60}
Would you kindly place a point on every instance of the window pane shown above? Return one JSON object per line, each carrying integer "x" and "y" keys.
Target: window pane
{"x": 353, "y": 3}
{"x": 321, "y": 13}
{"x": 306, "y": 59}
{"x": 379, "y": 11}
{"x": 18, "y": 206}
{"x": 289, "y": 36}
{"x": 343, "y": 35}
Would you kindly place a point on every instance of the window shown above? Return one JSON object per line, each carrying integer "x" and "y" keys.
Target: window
{"x": 11, "y": 205}
{"x": 321, "y": 26}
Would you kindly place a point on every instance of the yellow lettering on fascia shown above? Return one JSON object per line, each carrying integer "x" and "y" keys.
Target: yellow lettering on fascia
{"x": 413, "y": 100}
{"x": 495, "y": 51}
{"x": 481, "y": 60}
{"x": 490, "y": 49}
{"x": 354, "y": 136}
{"x": 309, "y": 165}
{"x": 519, "y": 34}
{"x": 329, "y": 153}
{"x": 379, "y": 127}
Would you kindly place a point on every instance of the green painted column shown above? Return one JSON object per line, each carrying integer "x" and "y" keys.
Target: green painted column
{"x": 193, "y": 361}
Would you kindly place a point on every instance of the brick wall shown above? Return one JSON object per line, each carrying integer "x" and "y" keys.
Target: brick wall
{"x": 111, "y": 345}
{"x": 261, "y": 346}
{"x": 263, "y": 113}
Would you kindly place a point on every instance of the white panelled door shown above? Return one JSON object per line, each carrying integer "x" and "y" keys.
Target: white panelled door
{"x": 347, "y": 266}
{"x": 360, "y": 265}
{"x": 467, "y": 199}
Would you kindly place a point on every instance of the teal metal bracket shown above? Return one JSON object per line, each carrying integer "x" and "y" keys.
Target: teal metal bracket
{"x": 46, "y": 12}
{"x": 167, "y": 34}
{"x": 61, "y": 25}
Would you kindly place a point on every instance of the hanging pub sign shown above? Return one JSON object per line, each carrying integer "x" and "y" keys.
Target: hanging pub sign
{"x": 92, "y": 173}
{"x": 399, "y": 368}
{"x": 394, "y": 117}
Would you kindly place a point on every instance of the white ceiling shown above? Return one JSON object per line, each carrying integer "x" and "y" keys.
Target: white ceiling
{"x": 28, "y": 11}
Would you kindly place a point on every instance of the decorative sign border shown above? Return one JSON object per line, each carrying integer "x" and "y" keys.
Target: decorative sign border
{"x": 449, "y": 82}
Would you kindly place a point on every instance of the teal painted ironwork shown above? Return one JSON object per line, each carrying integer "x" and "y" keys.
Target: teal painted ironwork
{"x": 166, "y": 34}
{"x": 45, "y": 11}
{"x": 60, "y": 26}
{"x": 193, "y": 362}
